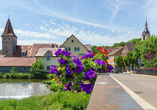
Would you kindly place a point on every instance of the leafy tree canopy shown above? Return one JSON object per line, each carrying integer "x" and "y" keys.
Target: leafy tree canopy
{"x": 129, "y": 59}
{"x": 37, "y": 68}
{"x": 119, "y": 61}
{"x": 142, "y": 48}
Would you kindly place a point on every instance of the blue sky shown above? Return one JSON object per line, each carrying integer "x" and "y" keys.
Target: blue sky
{"x": 95, "y": 22}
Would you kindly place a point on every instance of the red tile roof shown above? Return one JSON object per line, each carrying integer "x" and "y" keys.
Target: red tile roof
{"x": 16, "y": 61}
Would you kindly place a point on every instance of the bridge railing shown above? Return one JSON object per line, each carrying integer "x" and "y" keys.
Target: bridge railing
{"x": 148, "y": 72}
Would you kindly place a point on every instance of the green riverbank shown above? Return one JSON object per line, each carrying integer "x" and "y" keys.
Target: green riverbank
{"x": 56, "y": 101}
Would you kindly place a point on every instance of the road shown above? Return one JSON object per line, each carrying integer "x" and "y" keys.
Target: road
{"x": 142, "y": 85}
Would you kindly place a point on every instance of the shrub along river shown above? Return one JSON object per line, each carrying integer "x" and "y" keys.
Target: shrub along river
{"x": 22, "y": 88}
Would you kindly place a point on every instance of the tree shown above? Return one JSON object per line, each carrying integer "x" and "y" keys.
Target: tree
{"x": 136, "y": 40}
{"x": 118, "y": 44}
{"x": 37, "y": 69}
{"x": 12, "y": 71}
{"x": 94, "y": 49}
{"x": 129, "y": 59}
{"x": 142, "y": 48}
{"x": 119, "y": 61}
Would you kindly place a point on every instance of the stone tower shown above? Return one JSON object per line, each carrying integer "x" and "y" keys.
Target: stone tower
{"x": 9, "y": 40}
{"x": 146, "y": 32}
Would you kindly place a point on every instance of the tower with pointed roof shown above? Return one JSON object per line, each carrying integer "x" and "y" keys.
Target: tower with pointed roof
{"x": 9, "y": 40}
{"x": 146, "y": 32}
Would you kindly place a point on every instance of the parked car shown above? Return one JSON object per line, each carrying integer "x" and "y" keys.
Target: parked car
{"x": 116, "y": 71}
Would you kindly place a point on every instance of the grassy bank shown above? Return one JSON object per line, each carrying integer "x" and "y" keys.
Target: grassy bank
{"x": 57, "y": 101}
{"x": 21, "y": 75}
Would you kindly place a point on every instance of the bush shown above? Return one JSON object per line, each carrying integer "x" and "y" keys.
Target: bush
{"x": 1, "y": 75}
{"x": 7, "y": 75}
{"x": 50, "y": 76}
{"x": 12, "y": 71}
{"x": 16, "y": 76}
{"x": 25, "y": 76}
{"x": 37, "y": 69}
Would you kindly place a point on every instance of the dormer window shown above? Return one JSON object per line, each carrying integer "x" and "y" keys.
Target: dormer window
{"x": 72, "y": 41}
{"x": 21, "y": 47}
{"x": 48, "y": 56}
{"x": 29, "y": 48}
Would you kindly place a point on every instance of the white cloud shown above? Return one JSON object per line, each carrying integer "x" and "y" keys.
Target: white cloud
{"x": 31, "y": 42}
{"x": 42, "y": 28}
{"x": 27, "y": 24}
{"x": 20, "y": 33}
{"x": 51, "y": 21}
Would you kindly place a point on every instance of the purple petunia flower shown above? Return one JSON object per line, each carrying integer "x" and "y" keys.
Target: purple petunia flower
{"x": 99, "y": 70}
{"x": 109, "y": 68}
{"x": 58, "y": 52}
{"x": 54, "y": 70}
{"x": 99, "y": 62}
{"x": 76, "y": 60}
{"x": 65, "y": 53}
{"x": 88, "y": 55}
{"x": 86, "y": 87}
{"x": 89, "y": 74}
{"x": 92, "y": 68}
{"x": 68, "y": 71}
{"x": 68, "y": 86}
{"x": 79, "y": 68}
{"x": 62, "y": 61}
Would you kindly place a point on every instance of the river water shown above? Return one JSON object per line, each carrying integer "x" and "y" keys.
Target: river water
{"x": 22, "y": 88}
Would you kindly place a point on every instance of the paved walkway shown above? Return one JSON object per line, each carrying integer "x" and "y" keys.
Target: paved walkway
{"x": 109, "y": 95}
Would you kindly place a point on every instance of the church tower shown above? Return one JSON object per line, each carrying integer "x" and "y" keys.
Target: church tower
{"x": 9, "y": 40}
{"x": 146, "y": 32}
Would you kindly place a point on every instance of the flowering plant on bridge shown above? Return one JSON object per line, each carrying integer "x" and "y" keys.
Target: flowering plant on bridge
{"x": 71, "y": 71}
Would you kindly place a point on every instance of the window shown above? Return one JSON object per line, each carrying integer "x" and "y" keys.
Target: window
{"x": 48, "y": 56}
{"x": 21, "y": 47}
{"x": 68, "y": 49}
{"x": 39, "y": 48}
{"x": 6, "y": 51}
{"x": 48, "y": 68}
{"x": 36, "y": 52}
{"x": 29, "y": 48}
{"x": 24, "y": 69}
{"x": 76, "y": 49}
{"x": 72, "y": 41}
{"x": 8, "y": 38}
{"x": 4, "y": 38}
